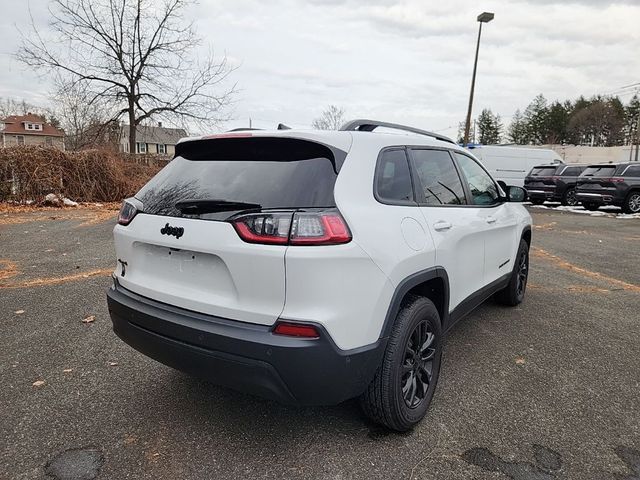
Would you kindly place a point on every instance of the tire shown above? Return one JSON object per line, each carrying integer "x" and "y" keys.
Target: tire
{"x": 536, "y": 201}
{"x": 592, "y": 207}
{"x": 513, "y": 293}
{"x": 569, "y": 198}
{"x": 632, "y": 203}
{"x": 399, "y": 394}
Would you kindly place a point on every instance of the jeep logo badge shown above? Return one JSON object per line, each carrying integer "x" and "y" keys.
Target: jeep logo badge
{"x": 169, "y": 230}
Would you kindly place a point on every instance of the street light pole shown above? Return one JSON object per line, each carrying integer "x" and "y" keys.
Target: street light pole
{"x": 485, "y": 17}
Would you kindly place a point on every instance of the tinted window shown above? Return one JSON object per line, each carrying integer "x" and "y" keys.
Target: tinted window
{"x": 393, "y": 180}
{"x": 633, "y": 171}
{"x": 599, "y": 171}
{"x": 438, "y": 178}
{"x": 543, "y": 171}
{"x": 483, "y": 189}
{"x": 272, "y": 175}
{"x": 571, "y": 172}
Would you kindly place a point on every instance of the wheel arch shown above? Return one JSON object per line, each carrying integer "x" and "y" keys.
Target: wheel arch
{"x": 526, "y": 235}
{"x": 432, "y": 283}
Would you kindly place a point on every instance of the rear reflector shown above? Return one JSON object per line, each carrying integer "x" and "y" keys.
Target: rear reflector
{"x": 296, "y": 330}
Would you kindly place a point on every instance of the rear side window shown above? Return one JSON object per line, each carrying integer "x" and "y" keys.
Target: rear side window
{"x": 483, "y": 189}
{"x": 262, "y": 173}
{"x": 571, "y": 172}
{"x": 393, "y": 180}
{"x": 543, "y": 171}
{"x": 438, "y": 178}
{"x": 599, "y": 171}
{"x": 632, "y": 171}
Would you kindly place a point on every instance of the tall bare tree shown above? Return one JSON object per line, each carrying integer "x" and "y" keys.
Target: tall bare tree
{"x": 136, "y": 54}
{"x": 331, "y": 118}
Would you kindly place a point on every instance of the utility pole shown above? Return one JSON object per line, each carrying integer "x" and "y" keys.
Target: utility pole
{"x": 485, "y": 17}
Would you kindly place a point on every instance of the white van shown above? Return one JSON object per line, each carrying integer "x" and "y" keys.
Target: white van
{"x": 512, "y": 164}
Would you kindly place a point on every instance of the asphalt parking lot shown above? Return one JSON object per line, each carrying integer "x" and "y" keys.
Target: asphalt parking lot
{"x": 549, "y": 390}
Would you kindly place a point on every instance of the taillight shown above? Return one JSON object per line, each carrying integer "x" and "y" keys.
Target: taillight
{"x": 616, "y": 180}
{"x": 127, "y": 212}
{"x": 269, "y": 228}
{"x": 325, "y": 227}
{"x": 296, "y": 330}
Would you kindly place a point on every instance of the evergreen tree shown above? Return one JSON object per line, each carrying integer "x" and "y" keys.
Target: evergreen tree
{"x": 489, "y": 127}
{"x": 517, "y": 132}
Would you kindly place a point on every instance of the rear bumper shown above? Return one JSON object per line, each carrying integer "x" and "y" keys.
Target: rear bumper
{"x": 243, "y": 356}
{"x": 598, "y": 198}
{"x": 538, "y": 194}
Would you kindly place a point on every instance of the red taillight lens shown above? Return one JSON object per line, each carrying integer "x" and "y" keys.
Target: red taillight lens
{"x": 269, "y": 228}
{"x": 288, "y": 228}
{"x": 322, "y": 228}
{"x": 616, "y": 180}
{"x": 296, "y": 330}
{"x": 127, "y": 212}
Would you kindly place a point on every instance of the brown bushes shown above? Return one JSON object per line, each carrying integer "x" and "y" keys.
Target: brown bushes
{"x": 29, "y": 173}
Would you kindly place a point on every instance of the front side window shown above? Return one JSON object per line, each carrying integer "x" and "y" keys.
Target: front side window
{"x": 483, "y": 189}
{"x": 393, "y": 180}
{"x": 438, "y": 178}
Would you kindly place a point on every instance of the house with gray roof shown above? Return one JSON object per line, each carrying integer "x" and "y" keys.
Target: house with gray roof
{"x": 152, "y": 140}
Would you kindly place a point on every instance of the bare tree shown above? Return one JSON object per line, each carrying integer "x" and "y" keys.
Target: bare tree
{"x": 136, "y": 54}
{"x": 86, "y": 121}
{"x": 332, "y": 118}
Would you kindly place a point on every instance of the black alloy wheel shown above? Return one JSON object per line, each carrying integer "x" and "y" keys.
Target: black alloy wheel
{"x": 417, "y": 369}
{"x": 523, "y": 273}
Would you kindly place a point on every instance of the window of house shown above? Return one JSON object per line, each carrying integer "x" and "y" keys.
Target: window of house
{"x": 48, "y": 141}
{"x": 393, "y": 180}
{"x": 438, "y": 178}
{"x": 162, "y": 148}
{"x": 483, "y": 189}
{"x": 141, "y": 147}
{"x": 20, "y": 140}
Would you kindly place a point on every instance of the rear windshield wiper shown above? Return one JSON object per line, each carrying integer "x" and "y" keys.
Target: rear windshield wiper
{"x": 194, "y": 207}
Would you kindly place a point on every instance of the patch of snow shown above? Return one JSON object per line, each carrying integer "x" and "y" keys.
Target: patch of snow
{"x": 69, "y": 203}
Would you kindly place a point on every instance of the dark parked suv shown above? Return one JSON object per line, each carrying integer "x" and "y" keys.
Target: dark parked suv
{"x": 610, "y": 184}
{"x": 554, "y": 183}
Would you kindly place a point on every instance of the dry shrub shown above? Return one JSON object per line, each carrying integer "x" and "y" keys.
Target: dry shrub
{"x": 31, "y": 172}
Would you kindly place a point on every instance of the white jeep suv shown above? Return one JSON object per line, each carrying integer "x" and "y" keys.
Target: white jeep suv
{"x": 311, "y": 267}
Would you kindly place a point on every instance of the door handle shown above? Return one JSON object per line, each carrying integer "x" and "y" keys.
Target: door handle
{"x": 442, "y": 226}
{"x": 491, "y": 219}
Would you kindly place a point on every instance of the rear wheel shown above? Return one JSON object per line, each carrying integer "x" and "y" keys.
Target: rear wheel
{"x": 569, "y": 197}
{"x": 513, "y": 293}
{"x": 402, "y": 388}
{"x": 632, "y": 203}
{"x": 592, "y": 207}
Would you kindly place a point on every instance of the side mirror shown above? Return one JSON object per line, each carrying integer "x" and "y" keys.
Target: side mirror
{"x": 516, "y": 194}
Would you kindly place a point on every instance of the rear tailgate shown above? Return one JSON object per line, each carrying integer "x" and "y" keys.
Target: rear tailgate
{"x": 597, "y": 179}
{"x": 195, "y": 259}
{"x": 541, "y": 179}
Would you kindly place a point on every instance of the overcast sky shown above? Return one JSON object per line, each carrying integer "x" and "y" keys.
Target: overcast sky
{"x": 401, "y": 61}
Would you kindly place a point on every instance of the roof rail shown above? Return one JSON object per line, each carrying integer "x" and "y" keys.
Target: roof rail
{"x": 361, "y": 125}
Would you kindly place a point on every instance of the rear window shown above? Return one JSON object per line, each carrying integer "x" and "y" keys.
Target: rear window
{"x": 599, "y": 171}
{"x": 543, "y": 171}
{"x": 265, "y": 172}
{"x": 571, "y": 172}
